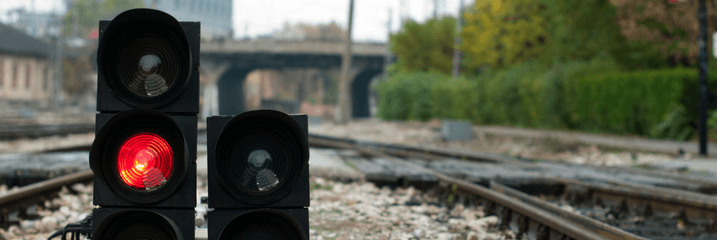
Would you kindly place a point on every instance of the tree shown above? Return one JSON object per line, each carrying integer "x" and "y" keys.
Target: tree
{"x": 581, "y": 29}
{"x": 425, "y": 47}
{"x": 670, "y": 28}
{"x": 87, "y": 13}
{"x": 503, "y": 32}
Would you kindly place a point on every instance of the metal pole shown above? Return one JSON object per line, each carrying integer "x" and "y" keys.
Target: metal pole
{"x": 343, "y": 108}
{"x": 457, "y": 42}
{"x": 702, "y": 42}
{"x": 387, "y": 60}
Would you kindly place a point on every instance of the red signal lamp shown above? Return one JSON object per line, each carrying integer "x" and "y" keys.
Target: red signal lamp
{"x": 145, "y": 161}
{"x": 140, "y": 156}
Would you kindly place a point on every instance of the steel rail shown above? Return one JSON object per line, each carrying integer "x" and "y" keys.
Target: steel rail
{"x": 705, "y": 184}
{"x": 693, "y": 206}
{"x": 20, "y": 194}
{"x": 423, "y": 151}
{"x": 601, "y": 228}
{"x": 9, "y": 132}
{"x": 697, "y": 185}
{"x": 552, "y": 221}
{"x": 690, "y": 205}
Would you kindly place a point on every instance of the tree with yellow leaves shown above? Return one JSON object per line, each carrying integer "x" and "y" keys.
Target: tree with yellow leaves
{"x": 503, "y": 32}
{"x": 425, "y": 47}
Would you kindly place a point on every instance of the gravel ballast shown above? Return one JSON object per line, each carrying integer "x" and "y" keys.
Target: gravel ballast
{"x": 357, "y": 210}
{"x": 363, "y": 211}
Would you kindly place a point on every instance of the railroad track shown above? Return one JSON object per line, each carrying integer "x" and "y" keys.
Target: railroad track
{"x": 620, "y": 209}
{"x": 15, "y": 131}
{"x": 14, "y": 204}
{"x": 630, "y": 209}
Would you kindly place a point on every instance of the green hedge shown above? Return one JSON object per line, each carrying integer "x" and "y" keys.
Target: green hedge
{"x": 592, "y": 96}
{"x": 623, "y": 103}
{"x": 512, "y": 97}
{"x": 422, "y": 96}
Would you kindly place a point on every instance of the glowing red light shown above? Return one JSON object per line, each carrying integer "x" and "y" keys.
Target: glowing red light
{"x": 145, "y": 161}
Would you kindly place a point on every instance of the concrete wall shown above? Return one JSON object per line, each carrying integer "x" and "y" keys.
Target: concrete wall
{"x": 25, "y": 78}
{"x": 289, "y": 84}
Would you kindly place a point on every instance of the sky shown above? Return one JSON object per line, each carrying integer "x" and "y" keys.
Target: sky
{"x": 263, "y": 17}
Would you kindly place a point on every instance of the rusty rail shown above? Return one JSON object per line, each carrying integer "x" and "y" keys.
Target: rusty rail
{"x": 533, "y": 220}
{"x": 413, "y": 151}
{"x": 8, "y": 132}
{"x": 19, "y": 194}
{"x": 18, "y": 199}
{"x": 693, "y": 207}
{"x": 600, "y": 228}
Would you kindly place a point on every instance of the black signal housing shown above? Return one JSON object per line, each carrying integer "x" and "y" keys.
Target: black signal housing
{"x": 224, "y": 132}
{"x": 145, "y": 149}
{"x": 167, "y": 37}
{"x": 290, "y": 224}
{"x": 112, "y": 129}
{"x": 160, "y": 224}
{"x": 258, "y": 176}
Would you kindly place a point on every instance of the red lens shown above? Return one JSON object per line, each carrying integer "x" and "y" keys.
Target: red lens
{"x": 145, "y": 161}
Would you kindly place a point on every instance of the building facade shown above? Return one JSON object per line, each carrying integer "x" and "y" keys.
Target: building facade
{"x": 215, "y": 15}
{"x": 25, "y": 70}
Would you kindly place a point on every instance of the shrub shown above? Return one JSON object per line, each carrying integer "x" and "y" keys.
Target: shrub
{"x": 406, "y": 96}
{"x": 453, "y": 99}
{"x": 689, "y": 98}
{"x": 556, "y": 111}
{"x": 623, "y": 103}
{"x": 395, "y": 98}
{"x": 511, "y": 96}
{"x": 675, "y": 125}
{"x": 591, "y": 95}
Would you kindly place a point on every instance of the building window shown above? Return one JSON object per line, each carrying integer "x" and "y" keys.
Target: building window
{"x": 27, "y": 76}
{"x": 14, "y": 75}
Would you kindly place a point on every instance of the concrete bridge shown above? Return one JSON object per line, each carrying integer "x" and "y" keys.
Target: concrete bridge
{"x": 225, "y": 65}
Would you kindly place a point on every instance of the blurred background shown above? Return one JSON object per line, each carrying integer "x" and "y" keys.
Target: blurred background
{"x": 43, "y": 36}
{"x": 620, "y": 67}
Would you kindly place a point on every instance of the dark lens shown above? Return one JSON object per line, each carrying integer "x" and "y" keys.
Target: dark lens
{"x": 259, "y": 157}
{"x": 260, "y": 234}
{"x": 136, "y": 225}
{"x": 148, "y": 66}
{"x": 258, "y": 163}
{"x": 260, "y": 225}
{"x": 142, "y": 232}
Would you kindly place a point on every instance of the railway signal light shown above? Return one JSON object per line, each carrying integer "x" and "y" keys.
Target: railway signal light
{"x": 144, "y": 153}
{"x": 258, "y": 176}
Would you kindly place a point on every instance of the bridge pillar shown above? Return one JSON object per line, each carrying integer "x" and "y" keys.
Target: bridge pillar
{"x": 209, "y": 73}
{"x": 359, "y": 93}
{"x": 230, "y": 89}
